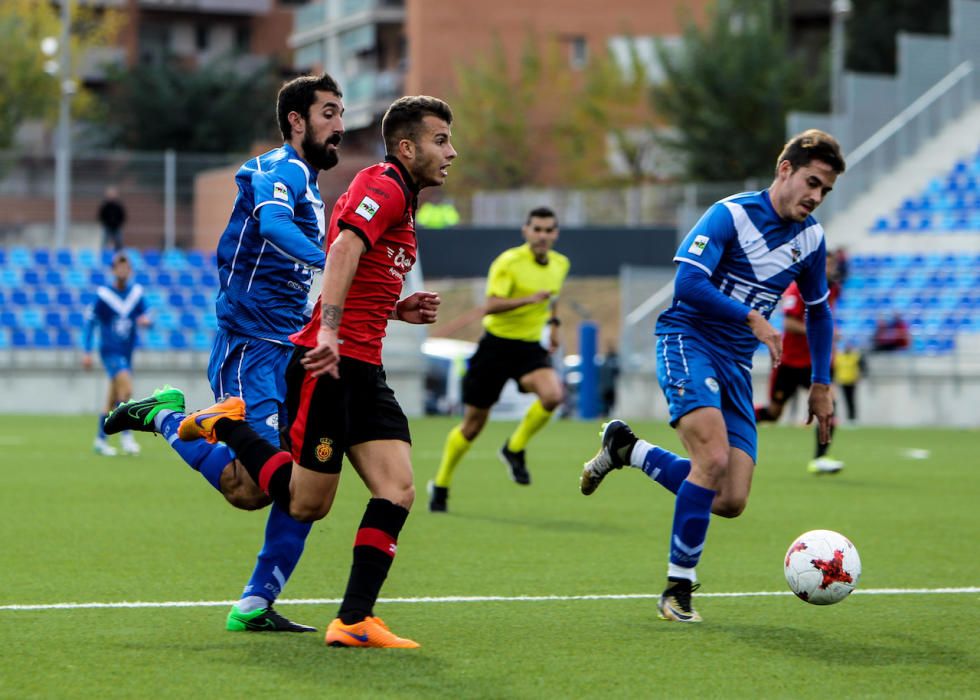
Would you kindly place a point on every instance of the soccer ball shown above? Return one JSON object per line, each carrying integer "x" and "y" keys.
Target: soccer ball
{"x": 822, "y": 567}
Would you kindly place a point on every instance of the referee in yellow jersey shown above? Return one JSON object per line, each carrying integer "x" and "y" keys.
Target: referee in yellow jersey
{"x": 522, "y": 292}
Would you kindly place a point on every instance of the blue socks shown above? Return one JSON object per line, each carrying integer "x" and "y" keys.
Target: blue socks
{"x": 200, "y": 455}
{"x": 284, "y": 541}
{"x": 664, "y": 467}
{"x": 692, "y": 513}
{"x": 100, "y": 434}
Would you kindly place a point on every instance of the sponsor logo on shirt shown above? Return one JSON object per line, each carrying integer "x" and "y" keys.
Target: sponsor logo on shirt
{"x": 699, "y": 244}
{"x": 367, "y": 208}
{"x": 279, "y": 192}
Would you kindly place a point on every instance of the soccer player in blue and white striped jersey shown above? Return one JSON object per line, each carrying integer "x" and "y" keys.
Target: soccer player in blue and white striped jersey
{"x": 114, "y": 316}
{"x": 267, "y": 257}
{"x": 732, "y": 268}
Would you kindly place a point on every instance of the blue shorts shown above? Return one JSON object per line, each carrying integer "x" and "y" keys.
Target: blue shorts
{"x": 115, "y": 363}
{"x": 693, "y": 377}
{"x": 255, "y": 370}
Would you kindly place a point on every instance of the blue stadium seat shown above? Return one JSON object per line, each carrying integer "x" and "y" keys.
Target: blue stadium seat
{"x": 86, "y": 258}
{"x": 18, "y": 297}
{"x": 29, "y": 317}
{"x": 64, "y": 338}
{"x": 187, "y": 280}
{"x": 19, "y": 339}
{"x": 4, "y": 339}
{"x": 189, "y": 321}
{"x": 20, "y": 257}
{"x": 42, "y": 338}
{"x": 195, "y": 258}
{"x": 177, "y": 340}
{"x": 42, "y": 257}
{"x": 209, "y": 280}
{"x": 75, "y": 319}
{"x": 201, "y": 340}
{"x": 86, "y": 297}
{"x": 53, "y": 278}
{"x": 152, "y": 258}
{"x": 176, "y": 299}
{"x": 8, "y": 319}
{"x": 9, "y": 277}
{"x": 201, "y": 301}
{"x": 143, "y": 278}
{"x": 62, "y": 257}
{"x": 53, "y": 318}
{"x": 97, "y": 278}
{"x": 164, "y": 279}
{"x": 154, "y": 339}
{"x": 174, "y": 260}
{"x": 41, "y": 297}
{"x": 31, "y": 277}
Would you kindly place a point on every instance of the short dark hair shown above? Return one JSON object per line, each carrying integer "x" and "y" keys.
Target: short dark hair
{"x": 809, "y": 145}
{"x": 298, "y": 95}
{"x": 542, "y": 213}
{"x": 405, "y": 115}
{"x": 119, "y": 257}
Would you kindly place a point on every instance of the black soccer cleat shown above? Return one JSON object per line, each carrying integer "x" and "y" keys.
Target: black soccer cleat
{"x": 614, "y": 453}
{"x": 262, "y": 620}
{"x": 438, "y": 498}
{"x": 514, "y": 461}
{"x": 138, "y": 414}
{"x": 675, "y": 603}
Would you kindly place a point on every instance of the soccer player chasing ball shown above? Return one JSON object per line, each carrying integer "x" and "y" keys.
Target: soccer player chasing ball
{"x": 733, "y": 267}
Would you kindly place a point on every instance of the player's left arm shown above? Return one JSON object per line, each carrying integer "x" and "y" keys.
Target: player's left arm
{"x": 820, "y": 336}
{"x": 419, "y": 308}
{"x": 144, "y": 317}
{"x": 554, "y": 324}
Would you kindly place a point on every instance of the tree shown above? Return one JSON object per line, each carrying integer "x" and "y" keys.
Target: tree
{"x": 728, "y": 89}
{"x": 872, "y": 26}
{"x": 214, "y": 109}
{"x": 536, "y": 123}
{"x": 27, "y": 91}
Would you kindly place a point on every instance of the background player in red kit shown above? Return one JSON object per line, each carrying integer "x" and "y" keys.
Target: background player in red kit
{"x": 793, "y": 371}
{"x": 337, "y": 398}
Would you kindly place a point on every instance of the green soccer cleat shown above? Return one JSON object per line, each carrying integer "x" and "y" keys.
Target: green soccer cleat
{"x": 262, "y": 620}
{"x": 138, "y": 414}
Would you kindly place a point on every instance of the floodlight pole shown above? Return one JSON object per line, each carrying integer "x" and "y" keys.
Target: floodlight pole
{"x": 62, "y": 155}
{"x": 839, "y": 12}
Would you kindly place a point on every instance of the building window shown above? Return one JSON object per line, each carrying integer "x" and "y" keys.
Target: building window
{"x": 579, "y": 52}
{"x": 201, "y": 37}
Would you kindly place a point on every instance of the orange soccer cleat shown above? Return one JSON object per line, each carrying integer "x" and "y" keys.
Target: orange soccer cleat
{"x": 200, "y": 424}
{"x": 369, "y": 632}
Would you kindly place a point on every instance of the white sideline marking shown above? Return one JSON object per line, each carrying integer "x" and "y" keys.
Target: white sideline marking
{"x": 477, "y": 599}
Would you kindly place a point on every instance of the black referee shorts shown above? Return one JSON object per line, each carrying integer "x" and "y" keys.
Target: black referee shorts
{"x": 495, "y": 361}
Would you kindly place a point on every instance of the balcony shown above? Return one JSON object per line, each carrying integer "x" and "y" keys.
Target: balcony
{"x": 217, "y": 7}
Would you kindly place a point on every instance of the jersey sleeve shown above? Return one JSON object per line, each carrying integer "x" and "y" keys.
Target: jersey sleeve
{"x": 812, "y": 279}
{"x": 500, "y": 279}
{"x": 374, "y": 204}
{"x": 282, "y": 187}
{"x": 706, "y": 242}
{"x": 276, "y": 193}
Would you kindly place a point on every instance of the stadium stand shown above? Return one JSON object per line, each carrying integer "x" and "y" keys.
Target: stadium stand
{"x": 44, "y": 294}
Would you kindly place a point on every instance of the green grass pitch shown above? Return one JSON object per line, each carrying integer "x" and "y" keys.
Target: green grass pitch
{"x": 498, "y": 590}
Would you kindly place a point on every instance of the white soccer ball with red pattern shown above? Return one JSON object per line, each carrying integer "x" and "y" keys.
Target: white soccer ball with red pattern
{"x": 822, "y": 567}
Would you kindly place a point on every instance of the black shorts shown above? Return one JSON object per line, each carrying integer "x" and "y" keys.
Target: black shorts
{"x": 495, "y": 361}
{"x": 786, "y": 380}
{"x": 327, "y": 415}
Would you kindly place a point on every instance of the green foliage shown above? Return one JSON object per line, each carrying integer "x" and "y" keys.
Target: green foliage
{"x": 491, "y": 130}
{"x": 26, "y": 91}
{"x": 872, "y": 26}
{"x": 214, "y": 109}
{"x": 538, "y": 123}
{"x": 86, "y": 529}
{"x": 728, "y": 90}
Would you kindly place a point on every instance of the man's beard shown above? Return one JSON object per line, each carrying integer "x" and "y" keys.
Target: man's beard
{"x": 317, "y": 154}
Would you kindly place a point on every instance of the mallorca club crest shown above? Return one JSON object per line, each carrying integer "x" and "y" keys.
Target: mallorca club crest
{"x": 324, "y": 451}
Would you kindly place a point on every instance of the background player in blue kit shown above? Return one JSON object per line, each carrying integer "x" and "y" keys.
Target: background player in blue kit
{"x": 117, "y": 311}
{"x": 267, "y": 256}
{"x": 732, "y": 269}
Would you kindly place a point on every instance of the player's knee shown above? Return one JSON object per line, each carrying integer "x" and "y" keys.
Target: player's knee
{"x": 308, "y": 511}
{"x": 551, "y": 400}
{"x": 728, "y": 506}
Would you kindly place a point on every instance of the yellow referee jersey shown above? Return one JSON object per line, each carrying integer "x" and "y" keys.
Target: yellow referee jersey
{"x": 514, "y": 274}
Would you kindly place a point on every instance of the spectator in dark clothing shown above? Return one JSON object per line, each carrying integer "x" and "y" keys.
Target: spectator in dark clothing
{"x": 112, "y": 216}
{"x": 892, "y": 335}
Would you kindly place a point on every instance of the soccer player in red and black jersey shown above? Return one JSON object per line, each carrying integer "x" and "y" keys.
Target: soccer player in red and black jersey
{"x": 337, "y": 398}
{"x": 793, "y": 371}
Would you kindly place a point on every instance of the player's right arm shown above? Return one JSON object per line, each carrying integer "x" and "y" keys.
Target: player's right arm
{"x": 276, "y": 194}
{"x": 697, "y": 257}
{"x": 338, "y": 273}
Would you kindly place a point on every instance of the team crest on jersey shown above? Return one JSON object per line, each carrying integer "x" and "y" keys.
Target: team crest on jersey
{"x": 795, "y": 252}
{"x": 712, "y": 384}
{"x": 367, "y": 209}
{"x": 324, "y": 451}
{"x": 279, "y": 192}
{"x": 699, "y": 244}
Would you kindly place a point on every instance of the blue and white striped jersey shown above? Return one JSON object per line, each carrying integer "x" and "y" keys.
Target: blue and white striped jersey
{"x": 750, "y": 255}
{"x": 265, "y": 270}
{"x": 114, "y": 313}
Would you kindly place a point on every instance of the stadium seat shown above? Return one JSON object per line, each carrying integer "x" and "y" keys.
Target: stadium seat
{"x": 62, "y": 257}
{"x": 31, "y": 277}
{"x": 64, "y": 338}
{"x": 8, "y": 319}
{"x": 178, "y": 341}
{"x": 19, "y": 339}
{"x": 86, "y": 258}
{"x": 152, "y": 258}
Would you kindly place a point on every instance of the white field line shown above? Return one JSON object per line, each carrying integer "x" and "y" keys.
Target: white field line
{"x": 475, "y": 599}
